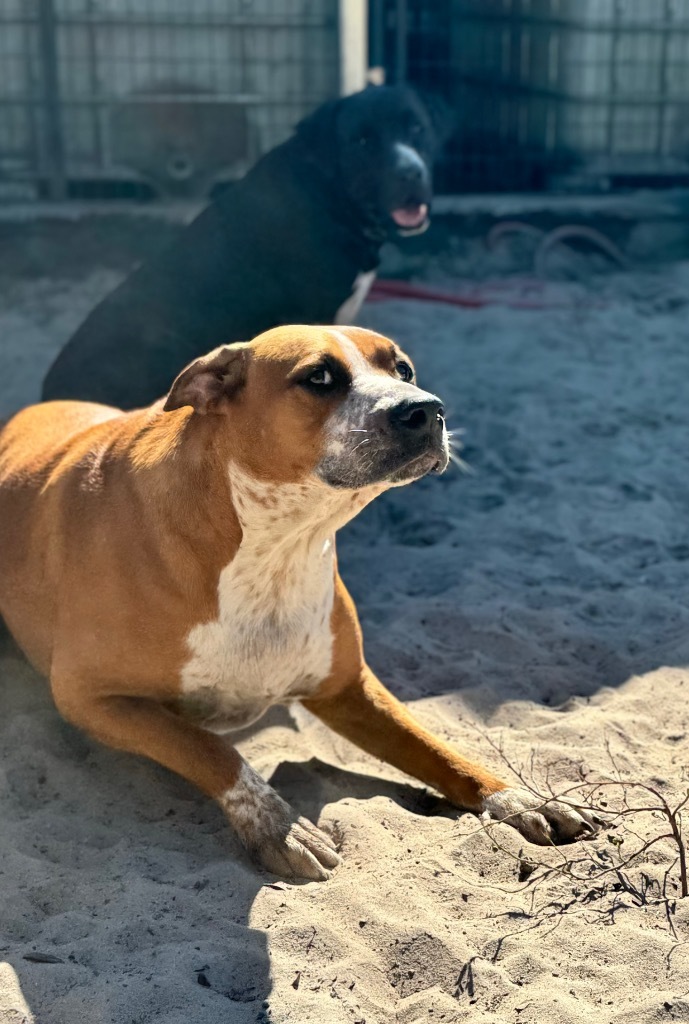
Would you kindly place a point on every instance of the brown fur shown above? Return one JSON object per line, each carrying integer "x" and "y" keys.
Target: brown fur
{"x": 115, "y": 529}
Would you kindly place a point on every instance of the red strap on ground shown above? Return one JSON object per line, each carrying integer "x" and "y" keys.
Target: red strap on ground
{"x": 395, "y": 289}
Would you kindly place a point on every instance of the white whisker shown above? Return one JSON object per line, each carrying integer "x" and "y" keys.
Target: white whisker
{"x": 460, "y": 463}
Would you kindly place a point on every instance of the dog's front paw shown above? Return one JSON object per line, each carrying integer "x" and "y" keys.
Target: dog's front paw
{"x": 275, "y": 837}
{"x": 543, "y": 822}
{"x": 293, "y": 847}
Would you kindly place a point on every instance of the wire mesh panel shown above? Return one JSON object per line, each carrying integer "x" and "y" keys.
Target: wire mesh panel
{"x": 577, "y": 92}
{"x": 165, "y": 95}
{"x": 18, "y": 141}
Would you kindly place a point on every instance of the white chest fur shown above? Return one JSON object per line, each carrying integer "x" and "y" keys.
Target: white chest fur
{"x": 272, "y": 639}
{"x": 349, "y": 310}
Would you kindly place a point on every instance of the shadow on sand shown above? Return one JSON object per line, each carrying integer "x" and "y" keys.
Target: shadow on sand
{"x": 111, "y": 865}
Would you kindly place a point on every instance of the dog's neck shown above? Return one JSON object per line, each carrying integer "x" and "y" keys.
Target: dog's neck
{"x": 294, "y": 519}
{"x": 296, "y": 513}
{"x": 308, "y": 177}
{"x": 352, "y": 217}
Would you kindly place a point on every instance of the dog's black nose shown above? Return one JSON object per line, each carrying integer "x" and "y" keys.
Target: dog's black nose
{"x": 410, "y": 165}
{"x": 417, "y": 417}
{"x": 412, "y": 172}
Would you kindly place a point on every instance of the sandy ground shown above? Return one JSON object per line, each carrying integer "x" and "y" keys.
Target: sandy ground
{"x": 539, "y": 603}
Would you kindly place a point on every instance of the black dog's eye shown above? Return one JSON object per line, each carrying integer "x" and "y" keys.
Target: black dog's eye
{"x": 363, "y": 140}
{"x": 415, "y": 128}
{"x": 404, "y": 370}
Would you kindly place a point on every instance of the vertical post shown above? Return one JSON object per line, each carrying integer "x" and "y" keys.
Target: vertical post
{"x": 613, "y": 109}
{"x": 353, "y": 25}
{"x": 401, "y": 42}
{"x": 377, "y": 39}
{"x": 50, "y": 88}
{"x": 94, "y": 85}
{"x": 663, "y": 84}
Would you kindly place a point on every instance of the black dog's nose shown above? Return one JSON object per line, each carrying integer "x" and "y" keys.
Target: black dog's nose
{"x": 417, "y": 416}
{"x": 412, "y": 172}
{"x": 410, "y": 166}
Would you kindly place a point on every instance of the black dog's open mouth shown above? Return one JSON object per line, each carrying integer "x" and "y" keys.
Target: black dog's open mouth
{"x": 411, "y": 218}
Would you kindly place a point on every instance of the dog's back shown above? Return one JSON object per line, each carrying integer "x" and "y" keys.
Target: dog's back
{"x": 32, "y": 445}
{"x": 231, "y": 274}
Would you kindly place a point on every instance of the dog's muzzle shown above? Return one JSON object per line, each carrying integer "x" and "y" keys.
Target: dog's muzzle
{"x": 419, "y": 428}
{"x": 390, "y": 438}
{"x": 410, "y": 212}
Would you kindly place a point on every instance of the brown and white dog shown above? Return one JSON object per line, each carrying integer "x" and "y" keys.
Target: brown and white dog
{"x": 172, "y": 570}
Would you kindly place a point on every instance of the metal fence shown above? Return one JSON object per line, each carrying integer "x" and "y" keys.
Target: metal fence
{"x": 148, "y": 97}
{"x": 566, "y": 93}
{"x": 130, "y": 97}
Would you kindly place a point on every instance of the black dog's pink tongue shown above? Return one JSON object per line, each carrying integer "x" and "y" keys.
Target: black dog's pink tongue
{"x": 410, "y": 216}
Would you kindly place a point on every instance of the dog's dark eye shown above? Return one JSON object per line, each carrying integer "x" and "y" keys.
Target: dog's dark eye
{"x": 415, "y": 129}
{"x": 327, "y": 379}
{"x": 322, "y": 377}
{"x": 404, "y": 370}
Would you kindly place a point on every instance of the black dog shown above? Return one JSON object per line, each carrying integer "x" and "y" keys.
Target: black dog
{"x": 295, "y": 241}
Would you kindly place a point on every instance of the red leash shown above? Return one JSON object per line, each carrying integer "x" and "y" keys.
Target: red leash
{"x": 386, "y": 289}
{"x": 394, "y": 289}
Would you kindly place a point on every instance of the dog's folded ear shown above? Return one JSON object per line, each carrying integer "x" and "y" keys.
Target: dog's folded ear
{"x": 206, "y": 382}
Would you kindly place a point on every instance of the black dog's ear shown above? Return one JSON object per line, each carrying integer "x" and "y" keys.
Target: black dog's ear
{"x": 318, "y": 132}
{"x": 209, "y": 379}
{"x": 442, "y": 117}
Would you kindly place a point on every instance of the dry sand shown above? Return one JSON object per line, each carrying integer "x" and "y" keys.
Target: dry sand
{"x": 540, "y": 602}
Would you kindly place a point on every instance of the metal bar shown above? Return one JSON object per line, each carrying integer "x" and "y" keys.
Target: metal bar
{"x": 377, "y": 37}
{"x": 579, "y": 24}
{"x": 31, "y": 112}
{"x": 175, "y": 97}
{"x": 612, "y": 79}
{"x": 512, "y": 88}
{"x": 664, "y": 80}
{"x": 50, "y": 81}
{"x": 94, "y": 83}
{"x": 509, "y": 88}
{"x": 168, "y": 19}
{"x": 401, "y": 42}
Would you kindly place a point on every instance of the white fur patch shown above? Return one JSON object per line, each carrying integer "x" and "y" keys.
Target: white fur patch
{"x": 249, "y": 798}
{"x": 410, "y": 157}
{"x": 275, "y": 836}
{"x": 358, "y": 363}
{"x": 349, "y": 310}
{"x": 272, "y": 640}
